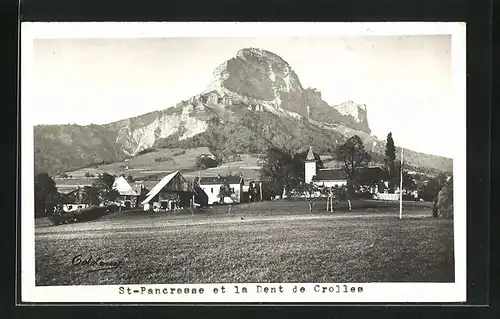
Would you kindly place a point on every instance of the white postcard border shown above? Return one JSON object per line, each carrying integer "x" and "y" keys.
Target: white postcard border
{"x": 371, "y": 292}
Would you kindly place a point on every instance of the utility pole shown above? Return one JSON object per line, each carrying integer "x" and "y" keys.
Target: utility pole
{"x": 260, "y": 188}
{"x": 401, "y": 188}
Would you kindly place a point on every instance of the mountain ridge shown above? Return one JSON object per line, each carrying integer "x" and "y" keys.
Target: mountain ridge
{"x": 254, "y": 100}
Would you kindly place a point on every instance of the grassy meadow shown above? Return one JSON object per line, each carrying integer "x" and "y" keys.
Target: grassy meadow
{"x": 258, "y": 242}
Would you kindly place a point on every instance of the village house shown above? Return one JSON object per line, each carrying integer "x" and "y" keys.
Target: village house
{"x": 75, "y": 200}
{"x": 211, "y": 186}
{"x": 172, "y": 192}
{"x": 128, "y": 197}
{"x": 371, "y": 179}
{"x": 322, "y": 177}
{"x": 329, "y": 178}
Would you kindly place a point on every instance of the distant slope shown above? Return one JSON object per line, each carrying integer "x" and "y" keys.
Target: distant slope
{"x": 59, "y": 148}
{"x": 248, "y": 166}
{"x": 151, "y": 163}
{"x": 254, "y": 100}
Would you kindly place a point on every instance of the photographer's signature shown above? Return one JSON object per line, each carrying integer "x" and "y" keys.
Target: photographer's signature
{"x": 94, "y": 263}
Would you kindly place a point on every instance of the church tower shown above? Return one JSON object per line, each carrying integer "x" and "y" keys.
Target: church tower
{"x": 310, "y": 166}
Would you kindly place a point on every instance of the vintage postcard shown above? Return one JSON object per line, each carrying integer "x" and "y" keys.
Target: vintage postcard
{"x": 243, "y": 162}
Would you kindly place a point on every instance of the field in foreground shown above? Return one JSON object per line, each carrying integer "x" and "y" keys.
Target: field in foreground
{"x": 274, "y": 242}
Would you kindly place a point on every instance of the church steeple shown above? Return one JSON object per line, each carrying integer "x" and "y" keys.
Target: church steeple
{"x": 310, "y": 155}
{"x": 309, "y": 166}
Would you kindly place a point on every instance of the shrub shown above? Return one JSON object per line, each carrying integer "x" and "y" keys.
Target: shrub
{"x": 236, "y": 158}
{"x": 163, "y": 159}
{"x": 408, "y": 197}
{"x": 444, "y": 200}
{"x": 204, "y": 161}
{"x": 179, "y": 153}
{"x": 84, "y": 214}
{"x": 363, "y": 195}
{"x": 146, "y": 150}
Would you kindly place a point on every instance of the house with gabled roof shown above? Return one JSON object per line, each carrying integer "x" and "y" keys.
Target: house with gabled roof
{"x": 74, "y": 200}
{"x": 127, "y": 195}
{"x": 370, "y": 178}
{"x": 330, "y": 178}
{"x": 211, "y": 185}
{"x": 322, "y": 177}
{"x": 172, "y": 192}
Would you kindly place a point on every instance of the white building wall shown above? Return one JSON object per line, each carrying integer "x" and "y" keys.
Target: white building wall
{"x": 310, "y": 171}
{"x": 73, "y": 207}
{"x": 332, "y": 183}
{"x": 387, "y": 196}
{"x": 213, "y": 190}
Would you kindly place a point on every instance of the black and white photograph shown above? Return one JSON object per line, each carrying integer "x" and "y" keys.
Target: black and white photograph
{"x": 243, "y": 162}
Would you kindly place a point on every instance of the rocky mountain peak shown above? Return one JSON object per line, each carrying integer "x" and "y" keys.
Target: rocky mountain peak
{"x": 265, "y": 56}
{"x": 263, "y": 77}
{"x": 356, "y": 111}
{"x": 265, "y": 81}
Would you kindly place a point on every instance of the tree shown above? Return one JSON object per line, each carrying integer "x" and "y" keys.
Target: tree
{"x": 309, "y": 191}
{"x": 353, "y": 156}
{"x": 444, "y": 200}
{"x": 204, "y": 161}
{"x": 104, "y": 185}
{"x": 224, "y": 191}
{"x": 430, "y": 189}
{"x": 142, "y": 194}
{"x": 254, "y": 192}
{"x": 334, "y": 195}
{"x": 409, "y": 183}
{"x": 280, "y": 168}
{"x": 91, "y": 194}
{"x": 46, "y": 195}
{"x": 390, "y": 162}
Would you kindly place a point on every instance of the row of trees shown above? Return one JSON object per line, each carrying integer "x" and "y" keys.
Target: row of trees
{"x": 47, "y": 198}
{"x": 284, "y": 169}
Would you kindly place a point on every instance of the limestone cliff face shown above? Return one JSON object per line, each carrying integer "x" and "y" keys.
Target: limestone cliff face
{"x": 255, "y": 79}
{"x": 139, "y": 133}
{"x": 350, "y": 114}
{"x": 256, "y": 96}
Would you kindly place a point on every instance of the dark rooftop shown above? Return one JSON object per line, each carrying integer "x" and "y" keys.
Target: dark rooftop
{"x": 211, "y": 180}
{"x": 338, "y": 174}
{"x": 375, "y": 169}
{"x": 329, "y": 175}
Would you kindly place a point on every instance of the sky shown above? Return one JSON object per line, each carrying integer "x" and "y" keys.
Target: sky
{"x": 405, "y": 81}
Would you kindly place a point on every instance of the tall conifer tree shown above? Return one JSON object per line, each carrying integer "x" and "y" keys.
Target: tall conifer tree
{"x": 390, "y": 162}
